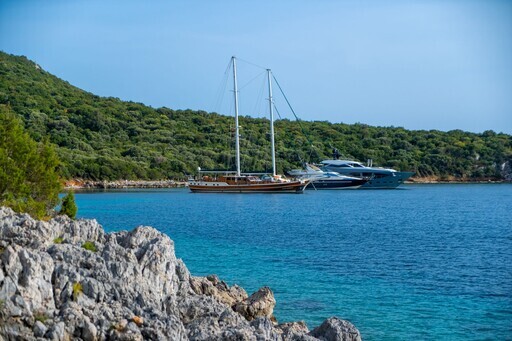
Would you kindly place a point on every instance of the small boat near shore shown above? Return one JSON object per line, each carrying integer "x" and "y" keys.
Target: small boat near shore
{"x": 237, "y": 182}
{"x": 320, "y": 179}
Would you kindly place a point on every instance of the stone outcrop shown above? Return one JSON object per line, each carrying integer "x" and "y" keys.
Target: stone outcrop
{"x": 66, "y": 279}
{"x": 336, "y": 329}
{"x": 259, "y": 304}
{"x": 506, "y": 170}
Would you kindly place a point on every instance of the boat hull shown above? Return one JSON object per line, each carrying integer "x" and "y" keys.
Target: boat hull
{"x": 388, "y": 182}
{"x": 285, "y": 187}
{"x": 336, "y": 184}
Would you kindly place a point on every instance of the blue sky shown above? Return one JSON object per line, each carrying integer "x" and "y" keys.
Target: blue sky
{"x": 416, "y": 64}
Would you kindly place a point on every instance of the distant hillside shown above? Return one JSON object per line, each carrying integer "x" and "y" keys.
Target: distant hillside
{"x": 102, "y": 138}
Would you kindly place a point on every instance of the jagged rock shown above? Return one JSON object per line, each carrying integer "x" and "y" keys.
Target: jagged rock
{"x": 89, "y": 332}
{"x": 58, "y": 333}
{"x": 506, "y": 170}
{"x": 22, "y": 230}
{"x": 39, "y": 329}
{"x": 212, "y": 286}
{"x": 336, "y": 330}
{"x": 259, "y": 304}
{"x": 131, "y": 287}
{"x": 205, "y": 317}
{"x": 264, "y": 328}
{"x": 294, "y": 331}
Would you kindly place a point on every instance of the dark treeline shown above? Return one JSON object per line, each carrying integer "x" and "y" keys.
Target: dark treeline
{"x": 107, "y": 139}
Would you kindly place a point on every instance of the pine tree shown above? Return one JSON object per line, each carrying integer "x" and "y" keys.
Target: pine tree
{"x": 69, "y": 206}
{"x": 29, "y": 180}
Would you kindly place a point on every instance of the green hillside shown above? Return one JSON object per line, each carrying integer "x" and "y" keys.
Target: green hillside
{"x": 105, "y": 138}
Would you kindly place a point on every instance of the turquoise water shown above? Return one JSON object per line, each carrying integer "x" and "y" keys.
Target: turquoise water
{"x": 422, "y": 262}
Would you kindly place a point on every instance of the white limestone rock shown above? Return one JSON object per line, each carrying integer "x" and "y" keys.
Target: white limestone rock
{"x": 259, "y": 304}
{"x": 131, "y": 288}
{"x": 336, "y": 329}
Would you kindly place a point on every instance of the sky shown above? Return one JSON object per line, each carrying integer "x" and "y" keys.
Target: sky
{"x": 420, "y": 65}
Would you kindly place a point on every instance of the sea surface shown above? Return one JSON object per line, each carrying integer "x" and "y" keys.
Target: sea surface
{"x": 417, "y": 263}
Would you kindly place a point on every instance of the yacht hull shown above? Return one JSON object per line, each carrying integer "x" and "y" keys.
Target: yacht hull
{"x": 336, "y": 184}
{"x": 388, "y": 182}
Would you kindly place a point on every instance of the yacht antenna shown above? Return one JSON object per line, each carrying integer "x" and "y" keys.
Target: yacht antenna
{"x": 237, "y": 133}
{"x": 269, "y": 72}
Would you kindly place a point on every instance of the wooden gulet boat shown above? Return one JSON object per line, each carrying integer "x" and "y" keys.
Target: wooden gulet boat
{"x": 236, "y": 182}
{"x": 244, "y": 184}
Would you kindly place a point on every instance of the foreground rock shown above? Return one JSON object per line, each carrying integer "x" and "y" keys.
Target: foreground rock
{"x": 66, "y": 279}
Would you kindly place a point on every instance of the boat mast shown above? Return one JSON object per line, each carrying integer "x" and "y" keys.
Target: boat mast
{"x": 237, "y": 133}
{"x": 271, "y": 123}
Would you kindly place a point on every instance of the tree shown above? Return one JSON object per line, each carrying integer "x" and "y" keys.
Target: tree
{"x": 29, "y": 180}
{"x": 69, "y": 206}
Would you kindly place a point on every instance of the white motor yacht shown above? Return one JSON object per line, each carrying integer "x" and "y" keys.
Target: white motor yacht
{"x": 378, "y": 177}
{"x": 320, "y": 179}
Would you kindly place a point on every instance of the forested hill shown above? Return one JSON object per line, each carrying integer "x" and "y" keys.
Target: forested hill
{"x": 105, "y": 138}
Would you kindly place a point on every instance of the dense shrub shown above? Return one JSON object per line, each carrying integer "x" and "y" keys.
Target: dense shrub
{"x": 68, "y": 206}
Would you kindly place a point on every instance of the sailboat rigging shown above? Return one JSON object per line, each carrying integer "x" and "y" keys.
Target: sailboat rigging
{"x": 227, "y": 182}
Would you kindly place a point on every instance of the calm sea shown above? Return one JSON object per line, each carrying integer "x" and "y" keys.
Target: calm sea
{"x": 421, "y": 262}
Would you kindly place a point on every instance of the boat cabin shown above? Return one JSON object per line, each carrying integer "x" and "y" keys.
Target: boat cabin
{"x": 239, "y": 180}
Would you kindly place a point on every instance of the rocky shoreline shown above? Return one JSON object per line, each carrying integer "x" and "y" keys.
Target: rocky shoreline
{"x": 120, "y": 184}
{"x": 457, "y": 180}
{"x": 430, "y": 180}
{"x": 67, "y": 279}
